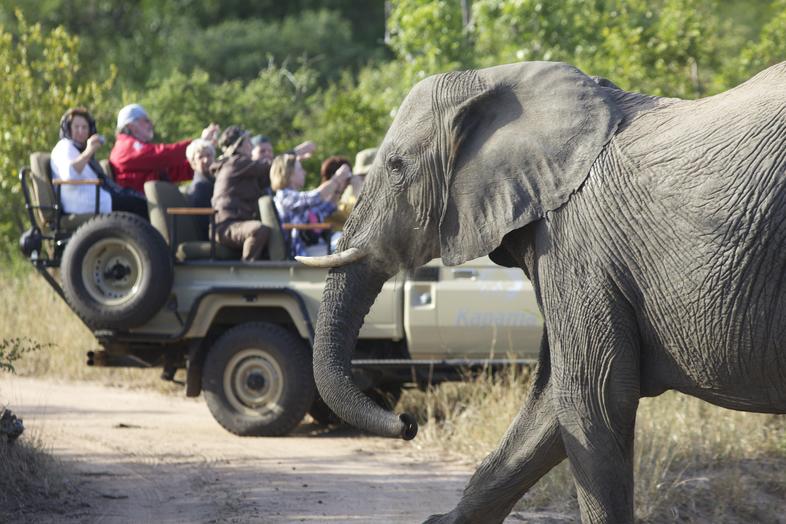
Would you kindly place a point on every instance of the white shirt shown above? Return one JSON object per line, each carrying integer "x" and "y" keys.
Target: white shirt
{"x": 76, "y": 199}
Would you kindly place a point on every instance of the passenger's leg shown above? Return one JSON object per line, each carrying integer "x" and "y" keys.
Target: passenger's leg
{"x": 250, "y": 236}
{"x": 256, "y": 241}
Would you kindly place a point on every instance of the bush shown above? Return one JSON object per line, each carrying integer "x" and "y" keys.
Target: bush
{"x": 12, "y": 349}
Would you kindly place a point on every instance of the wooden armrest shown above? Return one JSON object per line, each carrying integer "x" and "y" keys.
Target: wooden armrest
{"x": 320, "y": 225}
{"x": 193, "y": 211}
{"x": 78, "y": 182}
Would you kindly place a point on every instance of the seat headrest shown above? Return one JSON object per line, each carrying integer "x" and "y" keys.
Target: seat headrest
{"x": 40, "y": 165}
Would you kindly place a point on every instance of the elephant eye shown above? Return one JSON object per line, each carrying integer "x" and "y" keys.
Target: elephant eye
{"x": 395, "y": 168}
{"x": 395, "y": 164}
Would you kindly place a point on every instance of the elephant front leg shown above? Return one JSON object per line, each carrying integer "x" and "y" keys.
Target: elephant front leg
{"x": 596, "y": 380}
{"x": 530, "y": 448}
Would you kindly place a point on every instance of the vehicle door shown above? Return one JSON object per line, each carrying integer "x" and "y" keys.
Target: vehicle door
{"x": 487, "y": 311}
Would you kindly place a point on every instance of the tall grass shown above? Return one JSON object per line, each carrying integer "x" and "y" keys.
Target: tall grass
{"x": 694, "y": 462}
{"x": 30, "y": 309}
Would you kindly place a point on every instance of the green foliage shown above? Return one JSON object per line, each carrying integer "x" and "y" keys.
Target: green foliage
{"x": 428, "y": 34}
{"x": 770, "y": 47}
{"x": 662, "y": 47}
{"x": 230, "y": 39}
{"x": 41, "y": 79}
{"x": 238, "y": 49}
{"x": 343, "y": 120}
{"x": 181, "y": 106}
{"x": 131, "y": 35}
{"x": 12, "y": 349}
{"x": 535, "y": 30}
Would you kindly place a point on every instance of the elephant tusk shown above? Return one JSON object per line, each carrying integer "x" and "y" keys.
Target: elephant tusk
{"x": 348, "y": 256}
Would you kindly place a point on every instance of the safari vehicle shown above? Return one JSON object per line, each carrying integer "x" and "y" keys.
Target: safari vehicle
{"x": 157, "y": 294}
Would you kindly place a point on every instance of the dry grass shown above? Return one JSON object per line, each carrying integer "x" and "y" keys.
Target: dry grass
{"x": 30, "y": 309}
{"x": 31, "y": 481}
{"x": 694, "y": 462}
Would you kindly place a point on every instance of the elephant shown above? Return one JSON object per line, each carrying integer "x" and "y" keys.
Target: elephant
{"x": 653, "y": 231}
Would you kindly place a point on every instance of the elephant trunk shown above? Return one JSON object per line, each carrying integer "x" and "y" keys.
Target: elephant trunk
{"x": 349, "y": 293}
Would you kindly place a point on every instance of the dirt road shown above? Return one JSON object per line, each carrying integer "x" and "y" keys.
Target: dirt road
{"x": 143, "y": 457}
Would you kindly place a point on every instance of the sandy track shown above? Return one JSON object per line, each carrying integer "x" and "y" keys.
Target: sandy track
{"x": 143, "y": 457}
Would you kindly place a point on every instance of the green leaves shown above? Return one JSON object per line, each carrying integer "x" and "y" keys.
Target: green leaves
{"x": 181, "y": 106}
{"x": 682, "y": 48}
{"x": 238, "y": 49}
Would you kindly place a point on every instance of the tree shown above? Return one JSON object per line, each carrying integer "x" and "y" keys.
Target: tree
{"x": 768, "y": 48}
{"x": 662, "y": 47}
{"x": 239, "y": 49}
{"x": 343, "y": 119}
{"x": 429, "y": 35}
{"x": 146, "y": 39}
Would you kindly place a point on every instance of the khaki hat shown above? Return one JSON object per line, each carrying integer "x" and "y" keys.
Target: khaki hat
{"x": 363, "y": 161}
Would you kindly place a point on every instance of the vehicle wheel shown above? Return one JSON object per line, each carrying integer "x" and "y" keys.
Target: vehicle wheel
{"x": 117, "y": 271}
{"x": 322, "y": 414}
{"x": 386, "y": 396}
{"x": 258, "y": 381}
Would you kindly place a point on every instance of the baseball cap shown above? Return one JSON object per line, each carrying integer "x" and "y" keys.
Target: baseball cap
{"x": 128, "y": 114}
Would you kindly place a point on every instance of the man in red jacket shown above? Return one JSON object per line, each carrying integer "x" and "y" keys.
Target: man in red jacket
{"x": 135, "y": 160}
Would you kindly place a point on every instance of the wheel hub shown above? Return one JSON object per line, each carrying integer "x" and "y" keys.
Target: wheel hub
{"x": 117, "y": 272}
{"x": 112, "y": 271}
{"x": 255, "y": 381}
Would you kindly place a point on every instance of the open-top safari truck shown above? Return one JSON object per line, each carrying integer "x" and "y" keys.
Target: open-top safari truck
{"x": 159, "y": 294}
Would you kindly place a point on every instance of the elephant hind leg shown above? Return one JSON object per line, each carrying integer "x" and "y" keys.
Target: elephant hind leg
{"x": 531, "y": 447}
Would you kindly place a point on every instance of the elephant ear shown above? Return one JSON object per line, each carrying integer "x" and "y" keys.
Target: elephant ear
{"x": 519, "y": 148}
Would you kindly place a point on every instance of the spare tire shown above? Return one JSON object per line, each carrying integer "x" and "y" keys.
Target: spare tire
{"x": 117, "y": 271}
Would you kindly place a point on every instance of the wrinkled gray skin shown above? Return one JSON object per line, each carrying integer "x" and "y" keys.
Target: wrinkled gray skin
{"x": 654, "y": 233}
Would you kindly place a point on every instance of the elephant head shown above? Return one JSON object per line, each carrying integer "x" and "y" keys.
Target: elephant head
{"x": 469, "y": 157}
